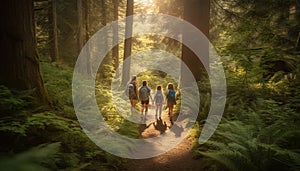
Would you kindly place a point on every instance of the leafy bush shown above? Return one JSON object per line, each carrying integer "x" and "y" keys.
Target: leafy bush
{"x": 12, "y": 102}
{"x": 43, "y": 157}
{"x": 27, "y": 128}
{"x": 58, "y": 82}
{"x": 263, "y": 137}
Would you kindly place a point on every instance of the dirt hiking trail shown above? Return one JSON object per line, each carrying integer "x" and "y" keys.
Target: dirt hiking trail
{"x": 179, "y": 158}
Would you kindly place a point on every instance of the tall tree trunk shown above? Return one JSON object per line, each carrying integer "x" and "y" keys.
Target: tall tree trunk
{"x": 115, "y": 50}
{"x": 53, "y": 42}
{"x": 87, "y": 19}
{"x": 19, "y": 67}
{"x": 104, "y": 22}
{"x": 80, "y": 30}
{"x": 128, "y": 42}
{"x": 104, "y": 17}
{"x": 197, "y": 13}
{"x": 87, "y": 34}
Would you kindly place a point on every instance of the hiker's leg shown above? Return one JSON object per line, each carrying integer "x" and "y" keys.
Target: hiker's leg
{"x": 143, "y": 106}
{"x": 132, "y": 104}
{"x": 146, "y": 108}
{"x": 160, "y": 109}
{"x": 170, "y": 114}
{"x": 169, "y": 106}
{"x": 171, "y": 111}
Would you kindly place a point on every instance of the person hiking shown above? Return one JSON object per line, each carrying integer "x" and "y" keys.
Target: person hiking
{"x": 132, "y": 92}
{"x": 171, "y": 98}
{"x": 144, "y": 95}
{"x": 158, "y": 101}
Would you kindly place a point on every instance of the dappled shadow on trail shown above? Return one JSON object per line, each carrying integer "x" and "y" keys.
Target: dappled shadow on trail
{"x": 143, "y": 127}
{"x": 160, "y": 125}
{"x": 178, "y": 158}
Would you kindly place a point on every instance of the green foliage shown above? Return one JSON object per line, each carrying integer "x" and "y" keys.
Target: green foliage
{"x": 42, "y": 36}
{"x": 156, "y": 78}
{"x": 58, "y": 78}
{"x": 43, "y": 157}
{"x": 13, "y": 127}
{"x": 60, "y": 125}
{"x": 111, "y": 115}
{"x": 260, "y": 125}
{"x": 48, "y": 127}
{"x": 262, "y": 136}
{"x": 128, "y": 129}
{"x": 260, "y": 51}
{"x": 12, "y": 102}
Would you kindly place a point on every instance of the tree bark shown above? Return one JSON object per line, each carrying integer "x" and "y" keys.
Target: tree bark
{"x": 80, "y": 30}
{"x": 115, "y": 50}
{"x": 87, "y": 34}
{"x": 197, "y": 13}
{"x": 53, "y": 42}
{"x": 19, "y": 67}
{"x": 87, "y": 19}
{"x": 128, "y": 42}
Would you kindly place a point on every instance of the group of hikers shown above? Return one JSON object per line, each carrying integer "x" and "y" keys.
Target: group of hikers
{"x": 143, "y": 94}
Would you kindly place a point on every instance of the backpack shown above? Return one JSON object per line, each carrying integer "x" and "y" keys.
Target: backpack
{"x": 130, "y": 91}
{"x": 144, "y": 95}
{"x": 171, "y": 94}
{"x": 159, "y": 98}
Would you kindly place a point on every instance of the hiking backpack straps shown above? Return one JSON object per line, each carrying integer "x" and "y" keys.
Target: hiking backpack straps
{"x": 159, "y": 98}
{"x": 130, "y": 91}
{"x": 144, "y": 93}
{"x": 171, "y": 94}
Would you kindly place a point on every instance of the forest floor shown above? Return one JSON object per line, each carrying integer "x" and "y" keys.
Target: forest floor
{"x": 179, "y": 158}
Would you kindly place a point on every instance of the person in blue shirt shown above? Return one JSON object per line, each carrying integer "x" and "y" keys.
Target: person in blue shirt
{"x": 144, "y": 96}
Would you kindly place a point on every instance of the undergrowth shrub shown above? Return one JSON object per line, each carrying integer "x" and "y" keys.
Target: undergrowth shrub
{"x": 13, "y": 102}
{"x": 260, "y": 125}
{"x": 42, "y": 157}
{"x": 263, "y": 136}
{"x": 23, "y": 128}
{"x": 58, "y": 82}
{"x": 76, "y": 148}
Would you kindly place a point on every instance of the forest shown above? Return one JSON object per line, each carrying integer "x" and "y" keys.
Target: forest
{"x": 65, "y": 70}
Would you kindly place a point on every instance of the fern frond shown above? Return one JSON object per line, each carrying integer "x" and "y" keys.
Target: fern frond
{"x": 233, "y": 160}
{"x": 42, "y": 157}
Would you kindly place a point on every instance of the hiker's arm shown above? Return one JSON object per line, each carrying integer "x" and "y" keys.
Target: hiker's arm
{"x": 152, "y": 99}
{"x": 150, "y": 95}
{"x": 138, "y": 94}
{"x": 166, "y": 96}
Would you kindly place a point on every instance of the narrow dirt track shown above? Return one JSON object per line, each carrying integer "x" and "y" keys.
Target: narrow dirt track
{"x": 179, "y": 158}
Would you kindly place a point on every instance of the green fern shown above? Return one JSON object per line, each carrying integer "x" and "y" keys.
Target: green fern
{"x": 13, "y": 102}
{"x": 257, "y": 143}
{"x": 42, "y": 157}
